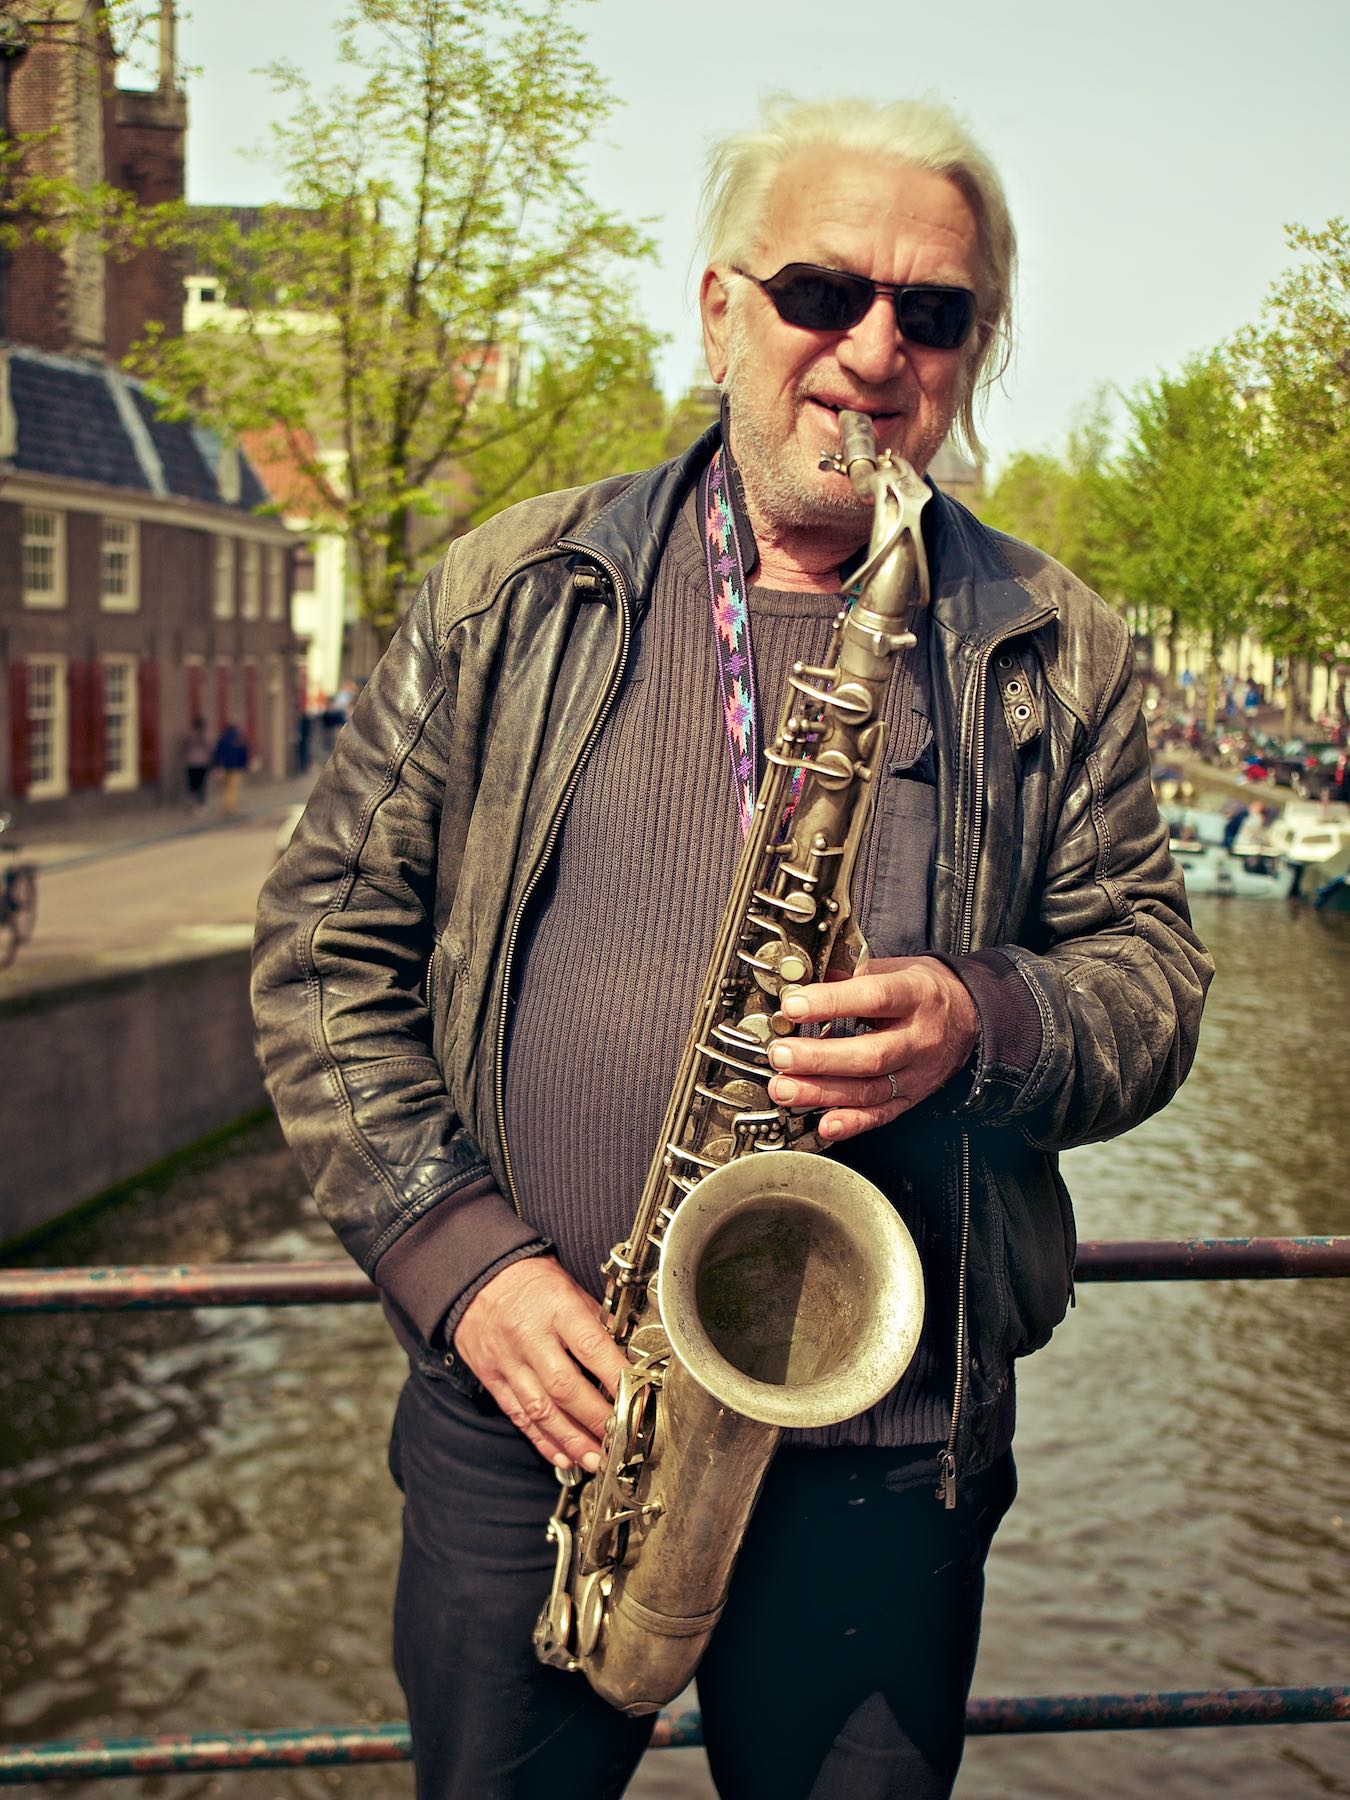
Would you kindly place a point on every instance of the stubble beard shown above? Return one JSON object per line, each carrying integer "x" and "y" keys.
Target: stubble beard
{"x": 785, "y": 496}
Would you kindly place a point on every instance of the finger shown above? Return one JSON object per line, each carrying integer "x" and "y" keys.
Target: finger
{"x": 549, "y": 1422}
{"x": 876, "y": 994}
{"x": 587, "y": 1340}
{"x": 883, "y": 1093}
{"x": 548, "y": 1446}
{"x": 849, "y": 1121}
{"x": 869, "y": 1054}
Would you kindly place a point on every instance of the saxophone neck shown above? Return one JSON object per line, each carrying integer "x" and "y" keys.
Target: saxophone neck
{"x": 892, "y": 583}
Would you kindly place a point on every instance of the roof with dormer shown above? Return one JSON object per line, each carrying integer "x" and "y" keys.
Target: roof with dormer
{"x": 85, "y": 420}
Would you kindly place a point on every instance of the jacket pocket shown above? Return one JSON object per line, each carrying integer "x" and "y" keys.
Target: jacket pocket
{"x": 898, "y": 867}
{"x": 1033, "y": 1233}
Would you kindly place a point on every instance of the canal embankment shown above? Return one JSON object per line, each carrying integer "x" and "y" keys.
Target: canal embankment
{"x": 125, "y": 1022}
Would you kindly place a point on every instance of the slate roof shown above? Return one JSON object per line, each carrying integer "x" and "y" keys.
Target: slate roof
{"x": 88, "y": 421}
{"x": 68, "y": 423}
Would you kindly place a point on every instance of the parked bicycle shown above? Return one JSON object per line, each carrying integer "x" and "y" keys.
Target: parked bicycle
{"x": 18, "y": 897}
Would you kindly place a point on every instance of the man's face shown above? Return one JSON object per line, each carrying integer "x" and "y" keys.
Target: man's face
{"x": 787, "y": 385}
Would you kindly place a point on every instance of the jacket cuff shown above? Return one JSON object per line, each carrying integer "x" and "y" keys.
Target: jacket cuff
{"x": 439, "y": 1262}
{"x": 1012, "y": 1035}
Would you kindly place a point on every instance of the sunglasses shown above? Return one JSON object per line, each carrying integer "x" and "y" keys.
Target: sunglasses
{"x": 804, "y": 294}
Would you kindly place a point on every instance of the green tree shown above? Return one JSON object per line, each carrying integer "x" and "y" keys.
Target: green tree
{"x": 1176, "y": 509}
{"x": 1295, "y": 365}
{"x": 579, "y": 427}
{"x": 434, "y": 224}
{"x": 1056, "y": 502}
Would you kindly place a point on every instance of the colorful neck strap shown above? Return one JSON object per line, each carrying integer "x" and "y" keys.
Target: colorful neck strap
{"x": 731, "y": 633}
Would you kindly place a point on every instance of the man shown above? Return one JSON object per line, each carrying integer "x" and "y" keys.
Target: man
{"x": 478, "y": 961}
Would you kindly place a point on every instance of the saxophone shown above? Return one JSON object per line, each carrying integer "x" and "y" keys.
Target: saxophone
{"x": 759, "y": 1288}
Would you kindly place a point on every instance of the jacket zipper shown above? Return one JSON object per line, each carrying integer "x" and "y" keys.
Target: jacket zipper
{"x": 592, "y": 732}
{"x": 946, "y": 1489}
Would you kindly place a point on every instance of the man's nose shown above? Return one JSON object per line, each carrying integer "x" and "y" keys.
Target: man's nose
{"x": 874, "y": 348}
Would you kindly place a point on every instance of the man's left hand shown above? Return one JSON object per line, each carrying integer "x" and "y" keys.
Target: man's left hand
{"x": 921, "y": 1028}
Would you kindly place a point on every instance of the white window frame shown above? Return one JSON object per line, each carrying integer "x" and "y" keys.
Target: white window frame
{"x": 37, "y": 538}
{"x": 276, "y": 582}
{"x": 57, "y": 781}
{"x": 121, "y": 727}
{"x": 127, "y": 548}
{"x": 251, "y": 580}
{"x": 222, "y": 579}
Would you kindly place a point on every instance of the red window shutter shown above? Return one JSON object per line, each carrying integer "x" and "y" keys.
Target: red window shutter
{"x": 98, "y": 744}
{"x": 147, "y": 712}
{"x": 251, "y": 707}
{"x": 77, "y": 689}
{"x": 20, "y": 757}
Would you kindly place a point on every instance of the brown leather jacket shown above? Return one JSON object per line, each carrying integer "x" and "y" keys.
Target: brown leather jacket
{"x": 387, "y": 931}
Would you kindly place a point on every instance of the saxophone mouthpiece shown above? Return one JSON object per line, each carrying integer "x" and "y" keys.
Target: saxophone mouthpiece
{"x": 857, "y": 438}
{"x": 857, "y": 444}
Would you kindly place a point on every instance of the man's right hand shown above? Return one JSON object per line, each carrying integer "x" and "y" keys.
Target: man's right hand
{"x": 528, "y": 1335}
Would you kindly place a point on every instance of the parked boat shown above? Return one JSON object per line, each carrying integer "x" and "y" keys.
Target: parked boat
{"x": 1209, "y": 868}
{"x": 1311, "y": 836}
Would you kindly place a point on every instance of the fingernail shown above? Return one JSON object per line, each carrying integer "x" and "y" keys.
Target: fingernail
{"x": 591, "y": 1461}
{"x": 784, "y": 1091}
{"x": 794, "y": 1005}
{"x": 562, "y": 1462}
{"x": 830, "y": 1128}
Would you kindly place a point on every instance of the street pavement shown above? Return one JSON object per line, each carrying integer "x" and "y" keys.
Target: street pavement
{"x": 126, "y": 891}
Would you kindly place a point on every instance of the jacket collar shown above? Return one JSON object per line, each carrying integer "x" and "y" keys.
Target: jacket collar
{"x": 976, "y": 594}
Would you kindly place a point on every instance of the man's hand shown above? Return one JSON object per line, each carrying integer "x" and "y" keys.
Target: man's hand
{"x": 528, "y": 1335}
{"x": 922, "y": 1029}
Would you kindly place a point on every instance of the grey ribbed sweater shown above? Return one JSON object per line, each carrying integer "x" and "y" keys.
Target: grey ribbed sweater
{"x": 616, "y": 953}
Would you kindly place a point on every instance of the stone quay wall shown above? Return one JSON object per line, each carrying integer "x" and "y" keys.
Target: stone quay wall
{"x": 110, "y": 1074}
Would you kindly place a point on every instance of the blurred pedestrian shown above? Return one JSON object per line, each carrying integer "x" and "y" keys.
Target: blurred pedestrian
{"x": 198, "y": 756}
{"x": 231, "y": 758}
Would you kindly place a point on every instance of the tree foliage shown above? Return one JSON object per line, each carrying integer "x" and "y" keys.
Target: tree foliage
{"x": 435, "y": 243}
{"x": 435, "y": 226}
{"x": 1056, "y": 502}
{"x": 1295, "y": 364}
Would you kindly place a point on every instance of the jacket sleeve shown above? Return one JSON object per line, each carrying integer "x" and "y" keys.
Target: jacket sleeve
{"x": 341, "y": 958}
{"x": 1091, "y": 1025}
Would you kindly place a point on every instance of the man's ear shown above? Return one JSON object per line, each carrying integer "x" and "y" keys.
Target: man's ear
{"x": 713, "y": 301}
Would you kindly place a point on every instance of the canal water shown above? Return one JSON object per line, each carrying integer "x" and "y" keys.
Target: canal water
{"x": 197, "y": 1532}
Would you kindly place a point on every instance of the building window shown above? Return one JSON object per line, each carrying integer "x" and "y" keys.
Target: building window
{"x": 276, "y": 584}
{"x": 222, "y": 598}
{"x": 120, "y": 590}
{"x": 120, "y": 723}
{"x": 252, "y": 582}
{"x": 44, "y": 557}
{"x": 302, "y": 568}
{"x": 48, "y": 748}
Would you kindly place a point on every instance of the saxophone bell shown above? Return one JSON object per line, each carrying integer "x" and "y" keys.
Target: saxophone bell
{"x": 790, "y": 1289}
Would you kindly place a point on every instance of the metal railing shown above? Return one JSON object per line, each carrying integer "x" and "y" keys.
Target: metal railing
{"x": 314, "y": 1283}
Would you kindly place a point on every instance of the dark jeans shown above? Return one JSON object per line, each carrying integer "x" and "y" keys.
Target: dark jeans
{"x": 839, "y": 1669}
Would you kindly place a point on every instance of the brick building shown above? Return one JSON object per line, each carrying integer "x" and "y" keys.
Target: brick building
{"x": 140, "y": 584}
{"x": 139, "y": 590}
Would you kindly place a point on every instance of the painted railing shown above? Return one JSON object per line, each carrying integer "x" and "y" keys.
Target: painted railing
{"x": 313, "y": 1283}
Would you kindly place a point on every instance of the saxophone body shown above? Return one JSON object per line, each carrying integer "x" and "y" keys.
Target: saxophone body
{"x": 761, "y": 1287}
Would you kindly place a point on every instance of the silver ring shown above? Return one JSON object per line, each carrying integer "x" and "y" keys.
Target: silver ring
{"x": 895, "y": 1095}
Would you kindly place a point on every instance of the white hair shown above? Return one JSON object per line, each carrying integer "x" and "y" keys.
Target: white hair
{"x": 925, "y": 134}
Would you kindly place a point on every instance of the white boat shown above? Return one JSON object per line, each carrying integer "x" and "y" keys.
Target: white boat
{"x": 1208, "y": 868}
{"x": 1311, "y": 837}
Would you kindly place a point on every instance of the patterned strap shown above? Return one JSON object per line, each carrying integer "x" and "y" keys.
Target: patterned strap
{"x": 731, "y": 634}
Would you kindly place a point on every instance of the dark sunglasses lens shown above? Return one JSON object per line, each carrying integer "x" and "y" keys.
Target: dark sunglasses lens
{"x": 937, "y": 317}
{"x": 818, "y": 299}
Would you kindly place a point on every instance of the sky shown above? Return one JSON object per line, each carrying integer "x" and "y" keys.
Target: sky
{"x": 1152, "y": 153}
